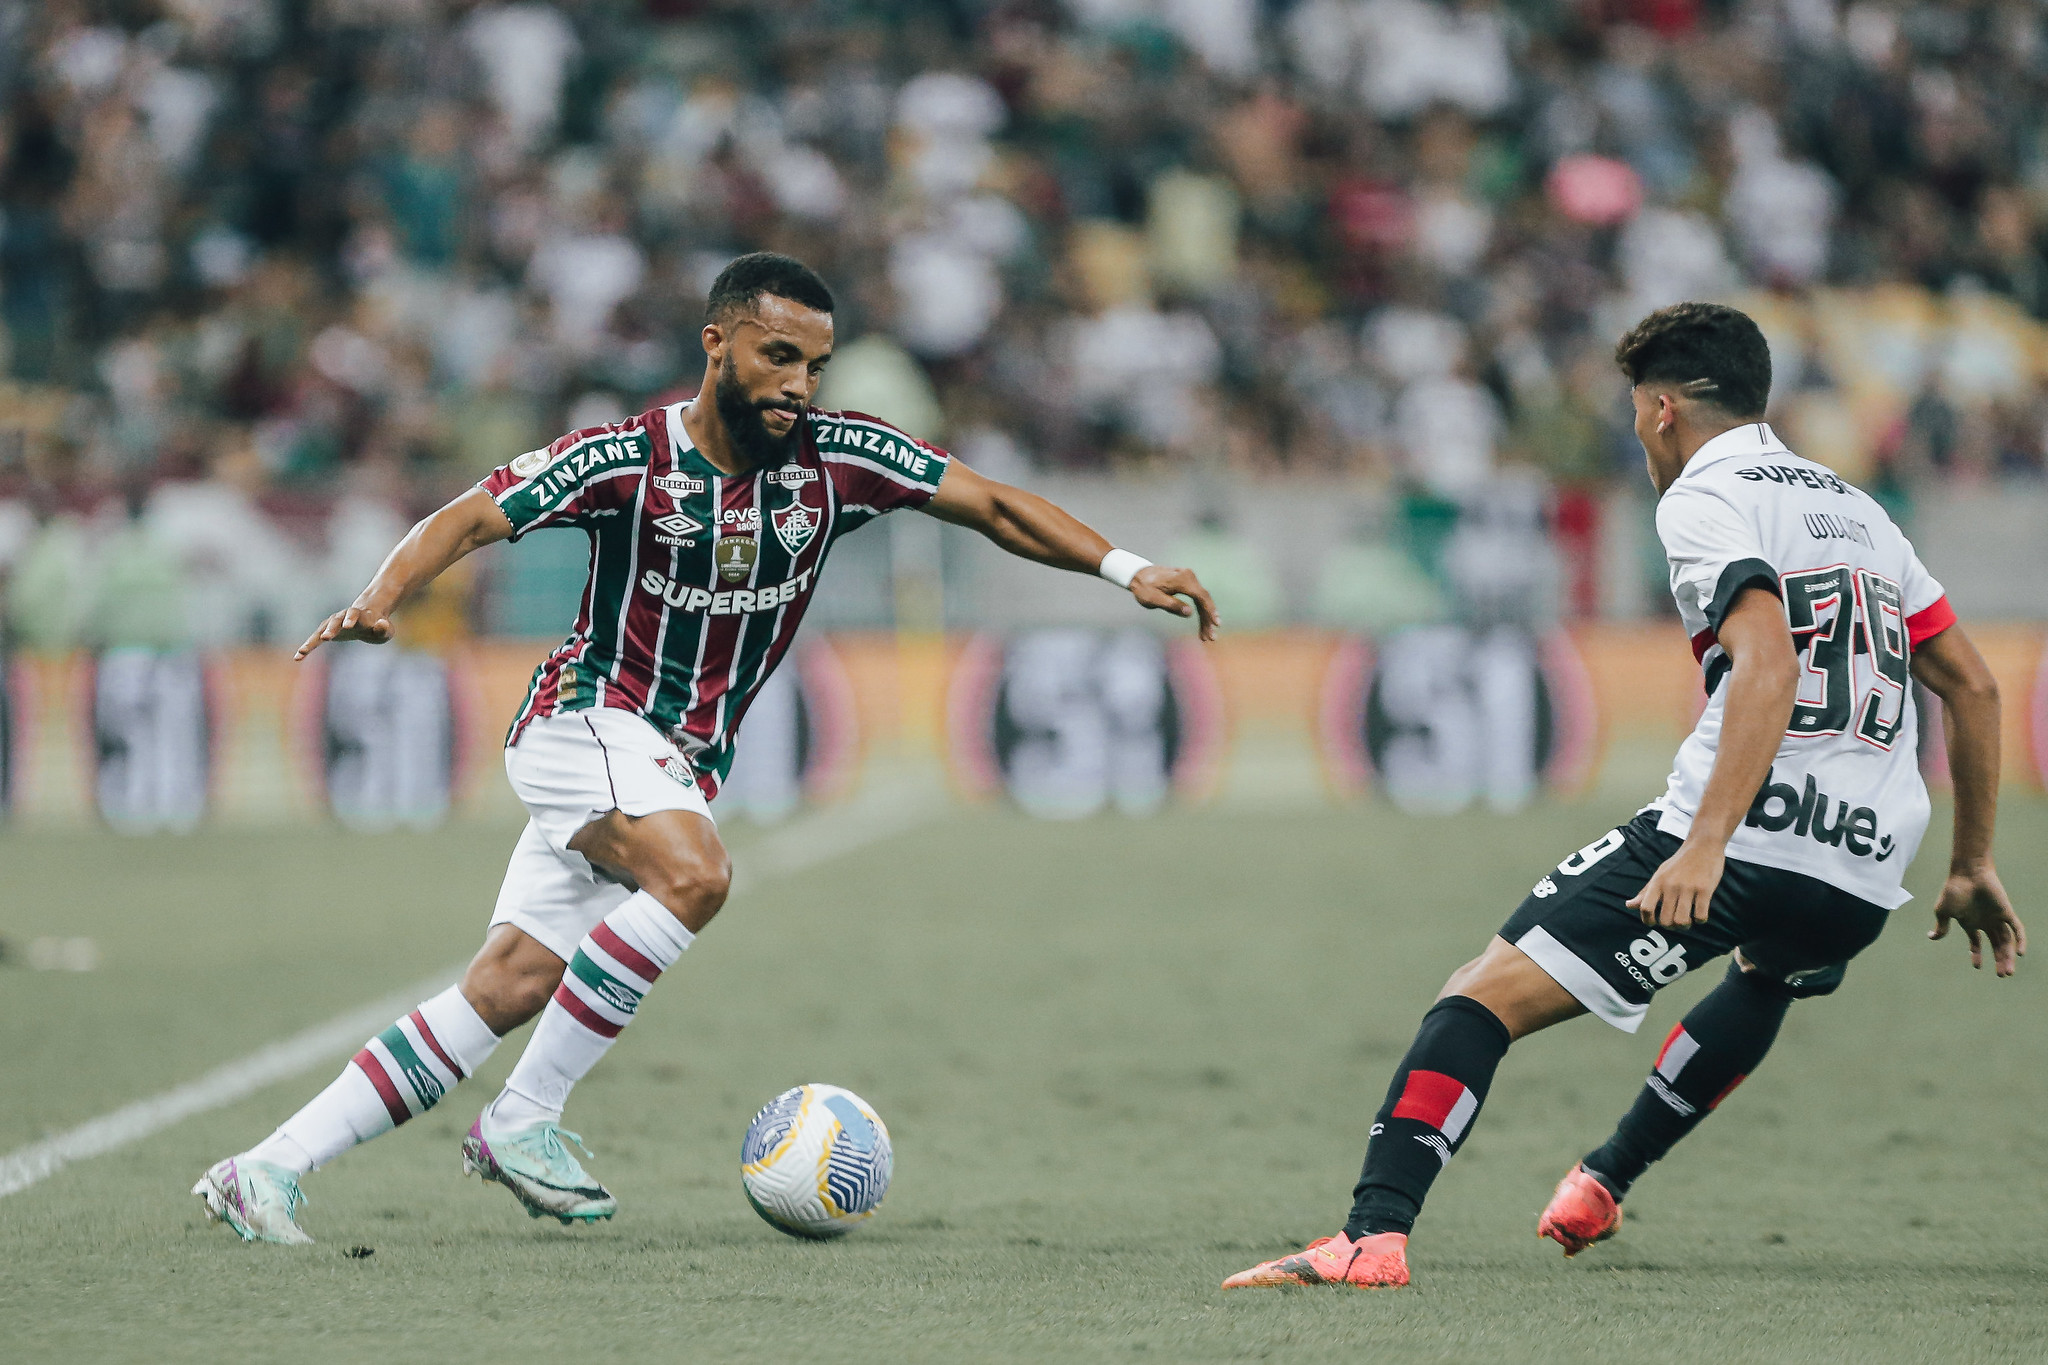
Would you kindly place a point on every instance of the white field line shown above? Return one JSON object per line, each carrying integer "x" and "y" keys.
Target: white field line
{"x": 223, "y": 1085}
{"x": 804, "y": 844}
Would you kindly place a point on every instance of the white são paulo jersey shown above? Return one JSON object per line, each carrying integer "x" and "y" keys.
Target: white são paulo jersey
{"x": 1844, "y": 801}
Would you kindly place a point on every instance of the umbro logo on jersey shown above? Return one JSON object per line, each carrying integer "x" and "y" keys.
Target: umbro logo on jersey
{"x": 678, "y": 524}
{"x": 679, "y": 485}
{"x": 1805, "y": 813}
{"x": 677, "y": 528}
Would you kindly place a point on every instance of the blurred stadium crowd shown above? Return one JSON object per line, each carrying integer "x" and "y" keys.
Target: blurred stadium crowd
{"x": 277, "y": 276}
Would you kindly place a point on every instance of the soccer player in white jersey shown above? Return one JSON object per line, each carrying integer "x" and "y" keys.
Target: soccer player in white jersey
{"x": 709, "y": 523}
{"x": 1790, "y": 814}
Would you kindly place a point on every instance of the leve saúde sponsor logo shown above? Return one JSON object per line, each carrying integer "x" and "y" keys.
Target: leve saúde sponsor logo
{"x": 739, "y": 602}
{"x": 1780, "y": 806}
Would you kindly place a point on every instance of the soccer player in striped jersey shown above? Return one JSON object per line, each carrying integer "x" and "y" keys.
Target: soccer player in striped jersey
{"x": 1789, "y": 817}
{"x": 709, "y": 525}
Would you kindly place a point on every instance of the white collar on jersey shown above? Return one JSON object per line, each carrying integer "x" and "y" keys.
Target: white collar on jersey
{"x": 1751, "y": 438}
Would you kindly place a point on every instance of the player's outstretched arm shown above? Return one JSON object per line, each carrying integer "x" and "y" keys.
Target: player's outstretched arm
{"x": 1763, "y": 684}
{"x": 1950, "y": 667}
{"x": 469, "y": 523}
{"x": 1033, "y": 528}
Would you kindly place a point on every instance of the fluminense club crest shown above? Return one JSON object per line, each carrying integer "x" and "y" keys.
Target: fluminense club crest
{"x": 794, "y": 526}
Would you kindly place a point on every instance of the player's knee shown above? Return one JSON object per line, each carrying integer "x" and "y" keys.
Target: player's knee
{"x": 1803, "y": 983}
{"x": 507, "y": 989}
{"x": 1462, "y": 980}
{"x": 692, "y": 883}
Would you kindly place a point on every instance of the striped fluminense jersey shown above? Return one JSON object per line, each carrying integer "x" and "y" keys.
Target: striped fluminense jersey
{"x": 698, "y": 579}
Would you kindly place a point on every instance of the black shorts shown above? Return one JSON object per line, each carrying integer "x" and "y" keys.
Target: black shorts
{"x": 1794, "y": 929}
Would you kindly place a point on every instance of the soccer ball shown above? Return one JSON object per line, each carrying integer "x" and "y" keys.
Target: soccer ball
{"x": 816, "y": 1161}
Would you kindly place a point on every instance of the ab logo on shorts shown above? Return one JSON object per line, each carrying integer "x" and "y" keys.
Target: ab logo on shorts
{"x": 1657, "y": 955}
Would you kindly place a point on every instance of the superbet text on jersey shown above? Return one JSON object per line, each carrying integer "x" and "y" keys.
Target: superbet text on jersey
{"x": 698, "y": 579}
{"x": 1844, "y": 801}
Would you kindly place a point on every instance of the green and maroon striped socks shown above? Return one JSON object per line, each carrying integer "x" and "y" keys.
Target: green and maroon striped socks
{"x": 401, "y": 1073}
{"x": 614, "y": 966}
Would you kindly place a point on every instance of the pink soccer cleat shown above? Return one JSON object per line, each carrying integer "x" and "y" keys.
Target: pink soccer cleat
{"x": 1376, "y": 1262}
{"x": 1581, "y": 1213}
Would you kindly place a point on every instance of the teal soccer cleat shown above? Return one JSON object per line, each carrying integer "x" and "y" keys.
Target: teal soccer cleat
{"x": 536, "y": 1166}
{"x": 258, "y": 1200}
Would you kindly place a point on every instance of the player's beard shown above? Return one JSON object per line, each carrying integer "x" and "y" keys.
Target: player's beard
{"x": 746, "y": 424}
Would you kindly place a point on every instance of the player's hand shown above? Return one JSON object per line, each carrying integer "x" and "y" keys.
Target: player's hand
{"x": 1678, "y": 893}
{"x": 1977, "y": 901}
{"x": 1162, "y": 589}
{"x": 356, "y": 623}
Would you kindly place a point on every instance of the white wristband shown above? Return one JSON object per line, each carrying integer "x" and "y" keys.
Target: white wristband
{"x": 1121, "y": 566}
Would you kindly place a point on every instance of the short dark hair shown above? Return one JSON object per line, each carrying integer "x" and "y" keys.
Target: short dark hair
{"x": 1709, "y": 351}
{"x": 765, "y": 272}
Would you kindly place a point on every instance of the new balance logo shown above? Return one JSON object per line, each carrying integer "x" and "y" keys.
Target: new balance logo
{"x": 1436, "y": 1143}
{"x": 1668, "y": 1095}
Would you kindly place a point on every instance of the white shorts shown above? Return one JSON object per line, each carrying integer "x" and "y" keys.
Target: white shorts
{"x": 570, "y": 769}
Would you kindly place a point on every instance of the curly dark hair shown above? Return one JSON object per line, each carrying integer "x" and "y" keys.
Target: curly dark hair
{"x": 1709, "y": 351}
{"x": 765, "y": 272}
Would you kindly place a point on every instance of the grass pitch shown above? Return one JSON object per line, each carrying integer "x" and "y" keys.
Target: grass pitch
{"x": 1119, "y": 1060}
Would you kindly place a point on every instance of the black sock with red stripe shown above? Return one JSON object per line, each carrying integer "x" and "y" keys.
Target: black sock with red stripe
{"x": 1707, "y": 1055}
{"x": 1435, "y": 1095}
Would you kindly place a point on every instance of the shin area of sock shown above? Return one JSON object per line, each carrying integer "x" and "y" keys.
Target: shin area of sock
{"x": 1710, "y": 1052}
{"x": 1430, "y": 1106}
{"x": 402, "y": 1072}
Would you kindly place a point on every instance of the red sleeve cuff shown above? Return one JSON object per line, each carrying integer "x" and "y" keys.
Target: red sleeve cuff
{"x": 1929, "y": 622}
